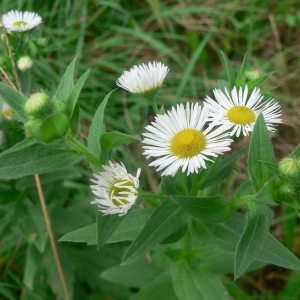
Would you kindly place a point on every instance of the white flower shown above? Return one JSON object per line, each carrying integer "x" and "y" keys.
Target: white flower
{"x": 238, "y": 112}
{"x": 116, "y": 189}
{"x": 144, "y": 79}
{"x": 6, "y": 112}
{"x": 20, "y": 21}
{"x": 179, "y": 140}
{"x": 25, "y": 63}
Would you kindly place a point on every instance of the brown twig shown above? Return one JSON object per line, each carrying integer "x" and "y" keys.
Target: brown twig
{"x": 6, "y": 79}
{"x": 10, "y": 53}
{"x": 51, "y": 236}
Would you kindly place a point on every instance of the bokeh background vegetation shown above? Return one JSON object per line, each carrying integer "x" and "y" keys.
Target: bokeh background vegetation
{"x": 110, "y": 37}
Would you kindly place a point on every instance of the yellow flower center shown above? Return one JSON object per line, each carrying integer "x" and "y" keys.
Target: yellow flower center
{"x": 241, "y": 115}
{"x": 20, "y": 24}
{"x": 120, "y": 191}
{"x": 188, "y": 143}
{"x": 7, "y": 114}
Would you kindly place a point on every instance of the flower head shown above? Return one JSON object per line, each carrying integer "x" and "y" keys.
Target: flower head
{"x": 116, "y": 189}
{"x": 179, "y": 140}
{"x": 21, "y": 21}
{"x": 238, "y": 112}
{"x": 6, "y": 112}
{"x": 25, "y": 63}
{"x": 144, "y": 80}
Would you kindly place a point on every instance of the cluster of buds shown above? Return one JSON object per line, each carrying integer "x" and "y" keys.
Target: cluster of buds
{"x": 48, "y": 121}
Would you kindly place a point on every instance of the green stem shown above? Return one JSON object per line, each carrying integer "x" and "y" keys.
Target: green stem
{"x": 241, "y": 202}
{"x": 154, "y": 196}
{"x": 183, "y": 183}
{"x": 79, "y": 147}
{"x": 154, "y": 105}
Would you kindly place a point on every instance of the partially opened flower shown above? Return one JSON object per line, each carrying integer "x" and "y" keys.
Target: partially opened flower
{"x": 115, "y": 189}
{"x": 178, "y": 139}
{"x": 238, "y": 111}
{"x": 143, "y": 79}
{"x": 20, "y": 21}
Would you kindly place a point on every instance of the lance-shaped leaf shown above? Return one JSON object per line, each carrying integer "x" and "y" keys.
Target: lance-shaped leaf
{"x": 166, "y": 219}
{"x": 190, "y": 283}
{"x": 231, "y": 75}
{"x": 66, "y": 85}
{"x": 259, "y": 219}
{"x": 97, "y": 128}
{"x": 113, "y": 139}
{"x": 258, "y": 81}
{"x": 225, "y": 237}
{"x": 36, "y": 159}
{"x": 208, "y": 209}
{"x": 260, "y": 151}
{"x": 14, "y": 99}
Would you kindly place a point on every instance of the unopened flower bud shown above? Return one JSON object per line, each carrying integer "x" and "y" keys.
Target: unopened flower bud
{"x": 286, "y": 192}
{"x": 33, "y": 127}
{"x": 289, "y": 167}
{"x": 251, "y": 75}
{"x": 40, "y": 42}
{"x": 25, "y": 63}
{"x": 38, "y": 105}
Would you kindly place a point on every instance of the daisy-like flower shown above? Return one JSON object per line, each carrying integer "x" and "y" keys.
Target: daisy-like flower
{"x": 238, "y": 112}
{"x": 178, "y": 139}
{"x": 6, "y": 112}
{"x": 20, "y": 21}
{"x": 115, "y": 189}
{"x": 143, "y": 79}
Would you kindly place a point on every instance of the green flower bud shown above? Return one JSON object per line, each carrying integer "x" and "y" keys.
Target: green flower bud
{"x": 289, "y": 167}
{"x": 286, "y": 192}
{"x": 38, "y": 105}
{"x": 251, "y": 75}
{"x": 40, "y": 42}
{"x": 33, "y": 127}
{"x": 59, "y": 105}
{"x": 25, "y": 63}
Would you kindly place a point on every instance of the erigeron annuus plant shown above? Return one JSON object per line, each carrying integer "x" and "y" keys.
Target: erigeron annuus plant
{"x": 188, "y": 213}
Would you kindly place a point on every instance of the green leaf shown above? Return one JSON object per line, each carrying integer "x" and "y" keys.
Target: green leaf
{"x": 106, "y": 225}
{"x": 128, "y": 229}
{"x": 260, "y": 151}
{"x": 23, "y": 145}
{"x": 33, "y": 261}
{"x": 75, "y": 121}
{"x": 66, "y": 85}
{"x": 72, "y": 99}
{"x": 136, "y": 275}
{"x": 208, "y": 209}
{"x": 259, "y": 219}
{"x": 14, "y": 99}
{"x": 258, "y": 81}
{"x": 113, "y": 139}
{"x": 268, "y": 193}
{"x": 54, "y": 128}
{"x": 160, "y": 288}
{"x": 230, "y": 71}
{"x": 86, "y": 234}
{"x": 190, "y": 283}
{"x": 296, "y": 153}
{"x": 175, "y": 236}
{"x": 240, "y": 81}
{"x": 225, "y": 237}
{"x": 292, "y": 287}
{"x": 36, "y": 159}
{"x": 166, "y": 219}
{"x": 97, "y": 129}
{"x": 6, "y": 292}
{"x": 223, "y": 169}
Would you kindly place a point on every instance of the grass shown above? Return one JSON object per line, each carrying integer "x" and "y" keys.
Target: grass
{"x": 188, "y": 36}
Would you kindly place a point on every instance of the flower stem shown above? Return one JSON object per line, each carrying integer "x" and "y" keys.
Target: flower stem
{"x": 51, "y": 236}
{"x": 154, "y": 105}
{"x": 79, "y": 147}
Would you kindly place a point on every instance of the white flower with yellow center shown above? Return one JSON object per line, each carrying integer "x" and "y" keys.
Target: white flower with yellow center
{"x": 20, "y": 21}
{"x": 179, "y": 139}
{"x": 143, "y": 79}
{"x": 116, "y": 189}
{"x": 6, "y": 112}
{"x": 238, "y": 112}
